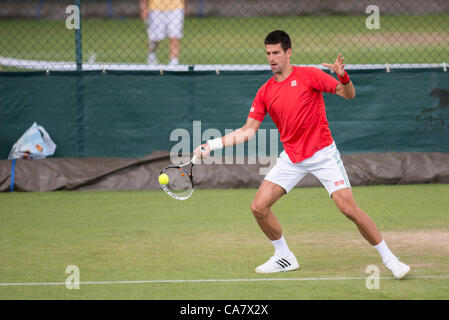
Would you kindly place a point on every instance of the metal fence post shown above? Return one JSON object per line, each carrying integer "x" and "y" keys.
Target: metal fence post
{"x": 78, "y": 46}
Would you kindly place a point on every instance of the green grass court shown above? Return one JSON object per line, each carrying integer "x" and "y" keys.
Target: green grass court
{"x": 215, "y": 40}
{"x": 146, "y": 235}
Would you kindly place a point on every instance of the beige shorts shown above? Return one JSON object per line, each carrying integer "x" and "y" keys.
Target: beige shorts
{"x": 326, "y": 165}
{"x": 162, "y": 24}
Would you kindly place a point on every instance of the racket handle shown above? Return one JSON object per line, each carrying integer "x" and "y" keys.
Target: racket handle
{"x": 194, "y": 159}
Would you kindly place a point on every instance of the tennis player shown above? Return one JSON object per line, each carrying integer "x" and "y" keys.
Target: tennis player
{"x": 294, "y": 100}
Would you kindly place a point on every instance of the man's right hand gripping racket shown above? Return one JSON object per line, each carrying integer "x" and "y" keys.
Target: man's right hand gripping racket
{"x": 180, "y": 183}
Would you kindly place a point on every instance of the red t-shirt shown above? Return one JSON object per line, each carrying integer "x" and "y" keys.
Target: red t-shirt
{"x": 296, "y": 106}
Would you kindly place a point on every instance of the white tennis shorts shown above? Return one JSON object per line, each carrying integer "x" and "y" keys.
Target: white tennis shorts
{"x": 162, "y": 24}
{"x": 325, "y": 164}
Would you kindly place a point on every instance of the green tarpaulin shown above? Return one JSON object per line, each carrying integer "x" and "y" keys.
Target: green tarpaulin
{"x": 131, "y": 114}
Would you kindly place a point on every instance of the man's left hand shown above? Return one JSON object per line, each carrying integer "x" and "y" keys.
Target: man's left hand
{"x": 338, "y": 67}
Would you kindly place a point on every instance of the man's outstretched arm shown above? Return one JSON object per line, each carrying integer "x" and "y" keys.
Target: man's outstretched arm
{"x": 347, "y": 91}
{"x": 245, "y": 133}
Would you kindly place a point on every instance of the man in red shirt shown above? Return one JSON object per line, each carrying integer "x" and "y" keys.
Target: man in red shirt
{"x": 293, "y": 98}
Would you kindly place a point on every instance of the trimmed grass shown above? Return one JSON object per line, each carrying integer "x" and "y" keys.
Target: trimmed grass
{"x": 145, "y": 235}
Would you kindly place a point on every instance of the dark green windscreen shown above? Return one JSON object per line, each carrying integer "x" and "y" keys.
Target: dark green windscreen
{"x": 131, "y": 114}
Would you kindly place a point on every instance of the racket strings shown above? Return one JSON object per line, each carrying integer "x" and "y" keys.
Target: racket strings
{"x": 179, "y": 183}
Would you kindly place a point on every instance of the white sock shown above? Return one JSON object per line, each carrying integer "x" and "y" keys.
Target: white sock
{"x": 280, "y": 247}
{"x": 384, "y": 251}
{"x": 174, "y": 61}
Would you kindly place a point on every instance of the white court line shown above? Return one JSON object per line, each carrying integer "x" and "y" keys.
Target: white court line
{"x": 211, "y": 280}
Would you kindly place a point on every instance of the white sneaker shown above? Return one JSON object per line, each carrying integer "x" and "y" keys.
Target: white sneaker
{"x": 279, "y": 263}
{"x": 152, "y": 59}
{"x": 398, "y": 268}
{"x": 173, "y": 62}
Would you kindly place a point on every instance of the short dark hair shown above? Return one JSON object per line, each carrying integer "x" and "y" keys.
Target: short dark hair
{"x": 279, "y": 36}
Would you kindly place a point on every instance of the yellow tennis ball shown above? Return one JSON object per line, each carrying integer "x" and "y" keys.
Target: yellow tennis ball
{"x": 163, "y": 178}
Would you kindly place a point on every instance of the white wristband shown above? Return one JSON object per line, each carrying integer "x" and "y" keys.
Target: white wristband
{"x": 215, "y": 144}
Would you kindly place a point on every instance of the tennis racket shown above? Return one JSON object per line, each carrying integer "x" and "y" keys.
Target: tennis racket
{"x": 180, "y": 179}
